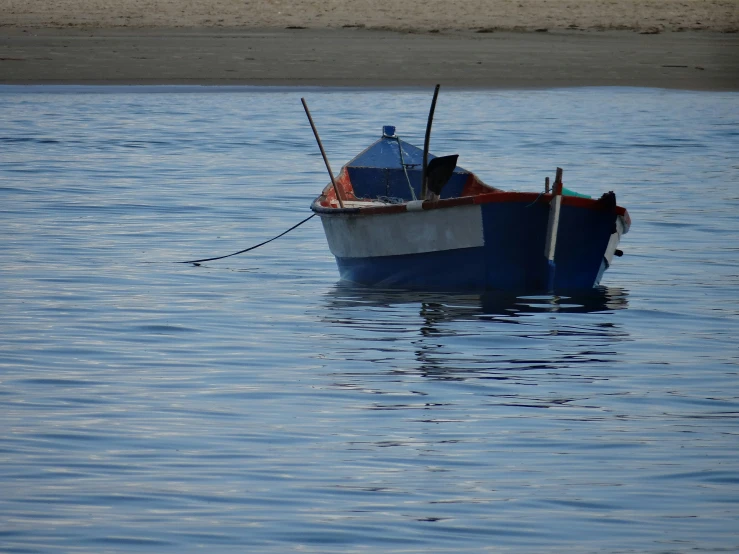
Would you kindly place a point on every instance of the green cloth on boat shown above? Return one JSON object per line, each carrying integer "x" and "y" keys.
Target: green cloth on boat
{"x": 568, "y": 192}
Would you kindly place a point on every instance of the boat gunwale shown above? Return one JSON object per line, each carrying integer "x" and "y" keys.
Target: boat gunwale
{"x": 485, "y": 198}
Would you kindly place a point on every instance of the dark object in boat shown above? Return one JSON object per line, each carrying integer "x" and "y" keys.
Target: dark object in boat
{"x": 440, "y": 171}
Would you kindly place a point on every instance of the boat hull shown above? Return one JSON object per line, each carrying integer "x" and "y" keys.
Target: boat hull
{"x": 487, "y": 246}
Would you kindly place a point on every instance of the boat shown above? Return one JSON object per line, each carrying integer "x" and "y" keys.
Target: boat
{"x": 398, "y": 217}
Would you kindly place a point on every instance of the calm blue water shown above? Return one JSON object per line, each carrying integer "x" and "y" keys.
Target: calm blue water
{"x": 257, "y": 405}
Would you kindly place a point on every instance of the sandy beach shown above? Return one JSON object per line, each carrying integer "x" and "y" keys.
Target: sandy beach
{"x": 688, "y": 44}
{"x": 640, "y": 15}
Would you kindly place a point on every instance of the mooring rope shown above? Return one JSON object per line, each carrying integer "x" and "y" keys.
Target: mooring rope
{"x": 542, "y": 193}
{"x": 251, "y": 247}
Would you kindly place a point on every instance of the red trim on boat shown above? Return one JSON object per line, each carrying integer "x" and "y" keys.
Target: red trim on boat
{"x": 474, "y": 192}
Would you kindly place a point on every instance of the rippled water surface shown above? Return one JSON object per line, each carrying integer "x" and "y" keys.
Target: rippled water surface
{"x": 255, "y": 404}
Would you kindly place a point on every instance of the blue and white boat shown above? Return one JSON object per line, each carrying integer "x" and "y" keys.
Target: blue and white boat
{"x": 459, "y": 234}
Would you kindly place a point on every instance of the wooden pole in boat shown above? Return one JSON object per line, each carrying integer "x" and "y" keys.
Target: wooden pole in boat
{"x": 424, "y": 170}
{"x": 553, "y": 228}
{"x": 323, "y": 153}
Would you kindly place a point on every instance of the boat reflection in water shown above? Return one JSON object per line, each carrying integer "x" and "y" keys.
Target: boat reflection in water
{"x": 496, "y": 335}
{"x": 442, "y": 307}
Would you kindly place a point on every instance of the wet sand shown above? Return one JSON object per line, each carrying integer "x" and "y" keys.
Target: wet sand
{"x": 369, "y": 58}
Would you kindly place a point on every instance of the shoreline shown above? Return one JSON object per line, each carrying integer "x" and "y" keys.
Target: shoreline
{"x": 357, "y": 57}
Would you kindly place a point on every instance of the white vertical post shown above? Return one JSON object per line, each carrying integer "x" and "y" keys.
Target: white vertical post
{"x": 552, "y": 229}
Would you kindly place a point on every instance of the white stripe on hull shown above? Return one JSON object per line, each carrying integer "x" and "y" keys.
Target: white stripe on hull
{"x": 614, "y": 240}
{"x": 621, "y": 229}
{"x": 352, "y": 236}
